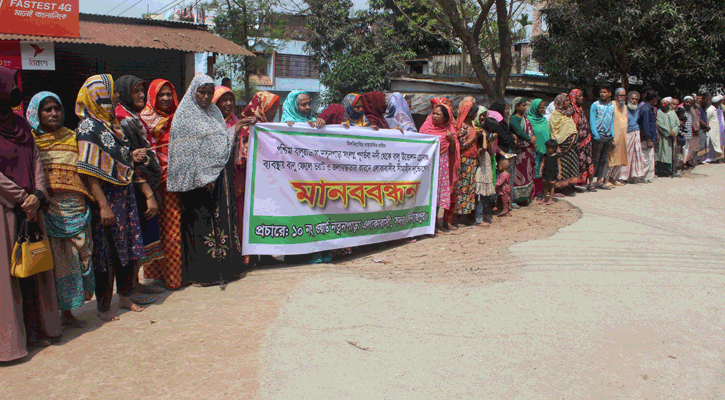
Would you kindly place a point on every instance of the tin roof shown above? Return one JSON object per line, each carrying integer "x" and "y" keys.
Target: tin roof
{"x": 136, "y": 32}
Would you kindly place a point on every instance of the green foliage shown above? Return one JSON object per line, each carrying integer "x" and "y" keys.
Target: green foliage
{"x": 352, "y": 73}
{"x": 246, "y": 23}
{"x": 668, "y": 44}
{"x": 354, "y": 53}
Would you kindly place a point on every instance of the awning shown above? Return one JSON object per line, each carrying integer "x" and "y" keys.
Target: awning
{"x": 135, "y": 32}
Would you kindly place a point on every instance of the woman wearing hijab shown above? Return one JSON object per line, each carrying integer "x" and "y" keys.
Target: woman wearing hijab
{"x": 354, "y": 111}
{"x": 398, "y": 113}
{"x": 131, "y": 101}
{"x": 202, "y": 171}
{"x": 298, "y": 108}
{"x": 68, "y": 217}
{"x": 442, "y": 124}
{"x": 522, "y": 190}
{"x": 262, "y": 108}
{"x": 28, "y": 306}
{"x": 563, "y": 129}
{"x": 584, "y": 134}
{"x": 506, "y": 142}
{"x": 225, "y": 99}
{"x": 157, "y": 116}
{"x": 334, "y": 114}
{"x": 374, "y": 107}
{"x": 540, "y": 129}
{"x": 105, "y": 161}
{"x": 465, "y": 189}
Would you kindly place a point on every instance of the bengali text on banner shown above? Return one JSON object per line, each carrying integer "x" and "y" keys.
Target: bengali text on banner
{"x": 311, "y": 190}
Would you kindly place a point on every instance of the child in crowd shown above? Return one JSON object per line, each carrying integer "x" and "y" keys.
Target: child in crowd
{"x": 550, "y": 169}
{"x": 503, "y": 188}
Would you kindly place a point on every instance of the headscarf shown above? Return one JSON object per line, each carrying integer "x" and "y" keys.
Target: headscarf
{"x": 95, "y": 101}
{"x": 517, "y": 100}
{"x": 429, "y": 127}
{"x": 199, "y": 143}
{"x": 354, "y": 117}
{"x": 539, "y": 125}
{"x": 290, "y": 111}
{"x": 464, "y": 107}
{"x": 258, "y": 107}
{"x": 561, "y": 124}
{"x": 398, "y": 113}
{"x": 334, "y": 114}
{"x": 374, "y": 107}
{"x": 103, "y": 149}
{"x": 522, "y": 121}
{"x": 220, "y": 91}
{"x": 157, "y": 121}
{"x": 16, "y": 140}
{"x": 58, "y": 150}
{"x": 476, "y": 123}
{"x": 125, "y": 86}
{"x": 499, "y": 106}
{"x": 578, "y": 112}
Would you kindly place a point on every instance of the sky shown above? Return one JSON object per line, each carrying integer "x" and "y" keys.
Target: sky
{"x": 136, "y": 10}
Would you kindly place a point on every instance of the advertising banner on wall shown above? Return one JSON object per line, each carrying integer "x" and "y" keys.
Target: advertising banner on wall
{"x": 38, "y": 56}
{"x": 39, "y": 17}
{"x": 311, "y": 190}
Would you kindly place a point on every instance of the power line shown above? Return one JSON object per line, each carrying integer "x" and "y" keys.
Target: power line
{"x": 119, "y": 5}
{"x": 134, "y": 5}
{"x": 168, "y": 6}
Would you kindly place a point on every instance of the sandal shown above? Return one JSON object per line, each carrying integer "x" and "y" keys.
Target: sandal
{"x": 153, "y": 290}
{"x": 142, "y": 300}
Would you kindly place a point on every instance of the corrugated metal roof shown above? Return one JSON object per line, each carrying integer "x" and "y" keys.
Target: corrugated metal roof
{"x": 134, "y": 32}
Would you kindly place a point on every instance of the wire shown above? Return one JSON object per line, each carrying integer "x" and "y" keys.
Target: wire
{"x": 134, "y": 5}
{"x": 119, "y": 5}
{"x": 168, "y": 6}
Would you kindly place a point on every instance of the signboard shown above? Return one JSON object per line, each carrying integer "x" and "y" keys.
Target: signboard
{"x": 38, "y": 56}
{"x": 10, "y": 54}
{"x": 311, "y": 190}
{"x": 41, "y": 18}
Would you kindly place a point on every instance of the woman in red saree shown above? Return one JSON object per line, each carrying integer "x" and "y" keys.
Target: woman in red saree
{"x": 161, "y": 103}
{"x": 262, "y": 108}
{"x": 441, "y": 123}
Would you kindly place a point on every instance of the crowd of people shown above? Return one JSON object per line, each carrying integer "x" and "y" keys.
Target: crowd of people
{"x": 150, "y": 184}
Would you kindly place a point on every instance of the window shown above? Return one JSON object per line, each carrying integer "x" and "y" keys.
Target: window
{"x": 294, "y": 66}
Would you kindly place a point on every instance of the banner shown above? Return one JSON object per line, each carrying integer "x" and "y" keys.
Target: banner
{"x": 41, "y": 18}
{"x": 311, "y": 190}
{"x": 38, "y": 56}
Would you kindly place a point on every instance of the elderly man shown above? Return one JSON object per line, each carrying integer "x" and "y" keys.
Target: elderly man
{"x": 634, "y": 170}
{"x": 648, "y": 134}
{"x": 667, "y": 128}
{"x": 617, "y": 157}
{"x": 601, "y": 118}
{"x": 714, "y": 149}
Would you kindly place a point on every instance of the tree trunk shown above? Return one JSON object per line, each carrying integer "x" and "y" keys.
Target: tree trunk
{"x": 471, "y": 43}
{"x": 504, "y": 38}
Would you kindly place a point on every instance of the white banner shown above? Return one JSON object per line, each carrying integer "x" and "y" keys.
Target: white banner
{"x": 38, "y": 55}
{"x": 310, "y": 190}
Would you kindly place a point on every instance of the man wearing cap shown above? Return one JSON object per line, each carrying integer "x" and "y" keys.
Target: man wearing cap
{"x": 667, "y": 128}
{"x": 690, "y": 147}
{"x": 714, "y": 149}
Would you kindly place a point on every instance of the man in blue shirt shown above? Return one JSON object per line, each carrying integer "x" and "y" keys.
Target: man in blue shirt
{"x": 601, "y": 118}
{"x": 648, "y": 133}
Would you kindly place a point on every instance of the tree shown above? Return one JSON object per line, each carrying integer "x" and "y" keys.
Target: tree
{"x": 251, "y": 24}
{"x": 485, "y": 29}
{"x": 668, "y": 44}
{"x": 353, "y": 52}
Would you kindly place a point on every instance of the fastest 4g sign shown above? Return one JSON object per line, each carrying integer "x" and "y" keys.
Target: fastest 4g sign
{"x": 42, "y": 18}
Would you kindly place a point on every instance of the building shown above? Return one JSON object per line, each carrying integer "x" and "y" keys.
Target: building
{"x": 118, "y": 46}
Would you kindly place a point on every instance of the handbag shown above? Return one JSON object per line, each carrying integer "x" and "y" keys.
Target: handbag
{"x": 31, "y": 255}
